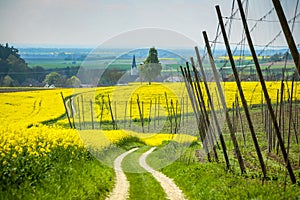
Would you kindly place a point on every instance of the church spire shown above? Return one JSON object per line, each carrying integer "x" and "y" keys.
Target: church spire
{"x": 133, "y": 67}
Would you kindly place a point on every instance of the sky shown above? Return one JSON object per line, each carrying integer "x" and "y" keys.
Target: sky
{"x": 91, "y": 23}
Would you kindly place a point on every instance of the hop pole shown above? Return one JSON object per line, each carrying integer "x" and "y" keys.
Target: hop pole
{"x": 240, "y": 89}
{"x": 266, "y": 94}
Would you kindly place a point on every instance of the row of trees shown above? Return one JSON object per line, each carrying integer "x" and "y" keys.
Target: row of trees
{"x": 14, "y": 71}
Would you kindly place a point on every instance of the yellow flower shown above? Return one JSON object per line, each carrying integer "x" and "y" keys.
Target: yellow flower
{"x": 4, "y": 162}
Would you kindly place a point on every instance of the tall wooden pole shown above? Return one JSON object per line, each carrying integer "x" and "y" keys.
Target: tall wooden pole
{"x": 191, "y": 93}
{"x": 288, "y": 34}
{"x": 214, "y": 115}
{"x": 222, "y": 98}
{"x": 266, "y": 94}
{"x": 240, "y": 89}
{"x": 209, "y": 129}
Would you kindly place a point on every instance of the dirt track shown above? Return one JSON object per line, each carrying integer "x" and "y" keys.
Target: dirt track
{"x": 170, "y": 188}
{"x": 121, "y": 188}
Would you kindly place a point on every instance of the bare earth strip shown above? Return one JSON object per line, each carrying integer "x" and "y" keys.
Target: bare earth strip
{"x": 171, "y": 189}
{"x": 120, "y": 191}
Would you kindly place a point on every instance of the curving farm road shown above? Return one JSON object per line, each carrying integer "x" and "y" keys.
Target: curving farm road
{"x": 170, "y": 188}
{"x": 121, "y": 188}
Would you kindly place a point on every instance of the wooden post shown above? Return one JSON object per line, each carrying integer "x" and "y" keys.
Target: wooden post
{"x": 82, "y": 107}
{"x": 130, "y": 112}
{"x": 143, "y": 114}
{"x": 288, "y": 34}
{"x": 290, "y": 117}
{"x": 125, "y": 115}
{"x": 111, "y": 114}
{"x": 191, "y": 96}
{"x": 214, "y": 115}
{"x": 62, "y": 96}
{"x": 72, "y": 112}
{"x": 140, "y": 112}
{"x": 241, "y": 121}
{"x": 101, "y": 112}
{"x": 280, "y": 111}
{"x": 92, "y": 114}
{"x": 116, "y": 116}
{"x": 158, "y": 110}
{"x": 187, "y": 111}
{"x": 79, "y": 117}
{"x": 149, "y": 118}
{"x": 240, "y": 89}
{"x": 182, "y": 111}
{"x": 204, "y": 115}
{"x": 176, "y": 116}
{"x": 169, "y": 113}
{"x": 276, "y": 115}
{"x": 266, "y": 94}
{"x": 222, "y": 99}
{"x": 189, "y": 86}
{"x": 154, "y": 117}
{"x": 262, "y": 108}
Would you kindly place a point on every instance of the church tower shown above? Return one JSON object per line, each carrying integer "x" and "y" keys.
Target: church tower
{"x": 134, "y": 71}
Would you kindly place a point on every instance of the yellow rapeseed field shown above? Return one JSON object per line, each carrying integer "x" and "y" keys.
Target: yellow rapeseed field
{"x": 20, "y": 109}
{"x": 102, "y": 138}
{"x": 25, "y": 108}
{"x": 124, "y": 99}
{"x": 36, "y": 141}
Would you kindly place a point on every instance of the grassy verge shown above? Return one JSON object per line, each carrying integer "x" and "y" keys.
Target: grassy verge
{"x": 211, "y": 180}
{"x": 61, "y": 175}
{"x": 142, "y": 184}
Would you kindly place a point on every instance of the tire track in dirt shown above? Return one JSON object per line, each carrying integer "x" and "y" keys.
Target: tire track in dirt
{"x": 170, "y": 188}
{"x": 121, "y": 189}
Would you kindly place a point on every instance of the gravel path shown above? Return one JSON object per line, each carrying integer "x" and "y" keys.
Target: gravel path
{"x": 171, "y": 189}
{"x": 120, "y": 191}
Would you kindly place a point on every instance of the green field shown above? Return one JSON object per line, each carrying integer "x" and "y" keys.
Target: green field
{"x": 52, "y": 63}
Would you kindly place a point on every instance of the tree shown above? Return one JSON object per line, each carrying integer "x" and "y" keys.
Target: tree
{"x": 151, "y": 67}
{"x": 39, "y": 73}
{"x": 18, "y": 69}
{"x": 110, "y": 77}
{"x": 52, "y": 78}
{"x": 13, "y": 65}
{"x": 74, "y": 81}
{"x": 9, "y": 82}
{"x": 6, "y": 51}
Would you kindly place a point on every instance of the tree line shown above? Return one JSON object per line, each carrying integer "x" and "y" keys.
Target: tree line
{"x": 14, "y": 71}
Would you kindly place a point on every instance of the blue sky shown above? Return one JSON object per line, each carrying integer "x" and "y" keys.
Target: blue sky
{"x": 93, "y": 22}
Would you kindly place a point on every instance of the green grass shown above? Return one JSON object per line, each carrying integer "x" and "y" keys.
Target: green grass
{"x": 65, "y": 177}
{"x": 142, "y": 184}
{"x": 211, "y": 181}
{"x": 203, "y": 180}
{"x": 130, "y": 142}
